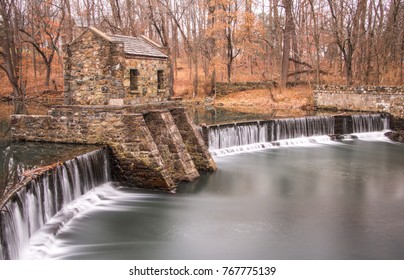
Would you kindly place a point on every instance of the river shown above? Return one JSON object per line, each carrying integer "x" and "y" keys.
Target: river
{"x": 298, "y": 199}
{"x": 317, "y": 201}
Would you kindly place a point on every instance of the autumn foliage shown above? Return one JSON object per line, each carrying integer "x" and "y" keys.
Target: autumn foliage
{"x": 209, "y": 41}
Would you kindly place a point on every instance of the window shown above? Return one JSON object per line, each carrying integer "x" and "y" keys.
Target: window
{"x": 160, "y": 79}
{"x": 134, "y": 79}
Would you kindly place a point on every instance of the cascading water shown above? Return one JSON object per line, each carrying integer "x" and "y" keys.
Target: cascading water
{"x": 370, "y": 122}
{"x": 224, "y": 139}
{"x": 41, "y": 198}
{"x": 301, "y": 127}
{"x": 225, "y": 136}
{"x": 239, "y": 137}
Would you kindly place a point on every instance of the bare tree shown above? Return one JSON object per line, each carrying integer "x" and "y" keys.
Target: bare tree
{"x": 316, "y": 37}
{"x": 43, "y": 29}
{"x": 346, "y": 18}
{"x": 10, "y": 49}
{"x": 286, "y": 42}
{"x": 158, "y": 18}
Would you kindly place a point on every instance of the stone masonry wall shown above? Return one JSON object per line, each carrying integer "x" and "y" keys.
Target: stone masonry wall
{"x": 148, "y": 91}
{"x": 148, "y": 154}
{"x": 171, "y": 146}
{"x": 366, "y": 98}
{"x": 194, "y": 142}
{"x": 97, "y": 72}
{"x": 94, "y": 70}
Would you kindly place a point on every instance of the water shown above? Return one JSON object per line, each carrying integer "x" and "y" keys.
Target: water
{"x": 225, "y": 136}
{"x": 17, "y": 158}
{"x": 370, "y": 122}
{"x": 216, "y": 115}
{"x": 298, "y": 198}
{"x": 32, "y": 206}
{"x": 240, "y": 134}
{"x": 319, "y": 201}
{"x": 237, "y": 137}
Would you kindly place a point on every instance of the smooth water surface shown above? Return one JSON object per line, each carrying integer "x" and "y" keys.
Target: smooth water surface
{"x": 215, "y": 115}
{"x": 18, "y": 157}
{"x": 328, "y": 201}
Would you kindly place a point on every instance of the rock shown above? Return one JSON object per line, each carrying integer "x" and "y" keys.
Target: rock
{"x": 396, "y": 136}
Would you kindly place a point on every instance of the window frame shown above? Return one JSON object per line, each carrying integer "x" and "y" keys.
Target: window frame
{"x": 134, "y": 79}
{"x": 160, "y": 80}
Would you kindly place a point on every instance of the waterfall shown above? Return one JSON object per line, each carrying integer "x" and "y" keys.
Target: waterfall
{"x": 239, "y": 137}
{"x": 370, "y": 122}
{"x": 239, "y": 134}
{"x": 301, "y": 127}
{"x": 256, "y": 135}
{"x": 41, "y": 198}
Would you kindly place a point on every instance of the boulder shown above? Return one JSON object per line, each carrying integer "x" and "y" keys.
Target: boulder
{"x": 396, "y": 136}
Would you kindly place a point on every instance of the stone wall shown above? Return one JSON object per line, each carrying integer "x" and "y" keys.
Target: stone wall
{"x": 97, "y": 72}
{"x": 148, "y": 91}
{"x": 194, "y": 142}
{"x": 365, "y": 98}
{"x": 148, "y": 154}
{"x": 94, "y": 70}
{"x": 171, "y": 146}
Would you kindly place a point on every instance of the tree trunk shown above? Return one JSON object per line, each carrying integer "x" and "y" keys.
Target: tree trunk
{"x": 10, "y": 51}
{"x": 48, "y": 74}
{"x": 316, "y": 41}
{"x": 229, "y": 55}
{"x": 286, "y": 42}
{"x": 213, "y": 84}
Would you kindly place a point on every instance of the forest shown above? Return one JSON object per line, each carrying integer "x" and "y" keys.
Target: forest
{"x": 284, "y": 42}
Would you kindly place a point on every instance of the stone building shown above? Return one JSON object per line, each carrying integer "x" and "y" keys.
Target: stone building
{"x": 102, "y": 69}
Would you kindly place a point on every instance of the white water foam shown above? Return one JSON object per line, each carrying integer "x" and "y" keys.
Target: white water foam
{"x": 41, "y": 242}
{"x": 373, "y": 136}
{"x": 241, "y": 149}
{"x": 302, "y": 141}
{"x": 35, "y": 203}
{"x": 368, "y": 136}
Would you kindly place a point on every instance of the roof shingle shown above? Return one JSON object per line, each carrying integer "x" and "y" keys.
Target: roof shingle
{"x": 137, "y": 46}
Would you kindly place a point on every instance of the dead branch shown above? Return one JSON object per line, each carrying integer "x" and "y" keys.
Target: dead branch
{"x": 310, "y": 71}
{"x": 38, "y": 171}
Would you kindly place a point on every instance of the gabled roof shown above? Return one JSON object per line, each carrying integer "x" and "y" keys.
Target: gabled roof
{"x": 140, "y": 46}
{"x": 137, "y": 46}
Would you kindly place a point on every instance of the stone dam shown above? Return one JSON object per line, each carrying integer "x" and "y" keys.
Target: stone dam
{"x": 153, "y": 149}
{"x": 156, "y": 147}
{"x": 148, "y": 147}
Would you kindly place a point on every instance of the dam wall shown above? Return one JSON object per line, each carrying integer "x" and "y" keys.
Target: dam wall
{"x": 147, "y": 146}
{"x": 361, "y": 98}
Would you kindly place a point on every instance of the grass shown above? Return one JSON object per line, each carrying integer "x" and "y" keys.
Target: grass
{"x": 290, "y": 98}
{"x": 299, "y": 98}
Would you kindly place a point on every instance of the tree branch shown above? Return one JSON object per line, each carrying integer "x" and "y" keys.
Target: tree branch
{"x": 300, "y": 62}
{"x": 306, "y": 72}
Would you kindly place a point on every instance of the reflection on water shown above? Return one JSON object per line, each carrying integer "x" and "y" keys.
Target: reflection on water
{"x": 213, "y": 115}
{"x": 13, "y": 157}
{"x": 329, "y": 201}
{"x": 16, "y": 158}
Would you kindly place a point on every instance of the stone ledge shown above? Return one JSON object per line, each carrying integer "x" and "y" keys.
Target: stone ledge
{"x": 362, "y": 98}
{"x": 135, "y": 142}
